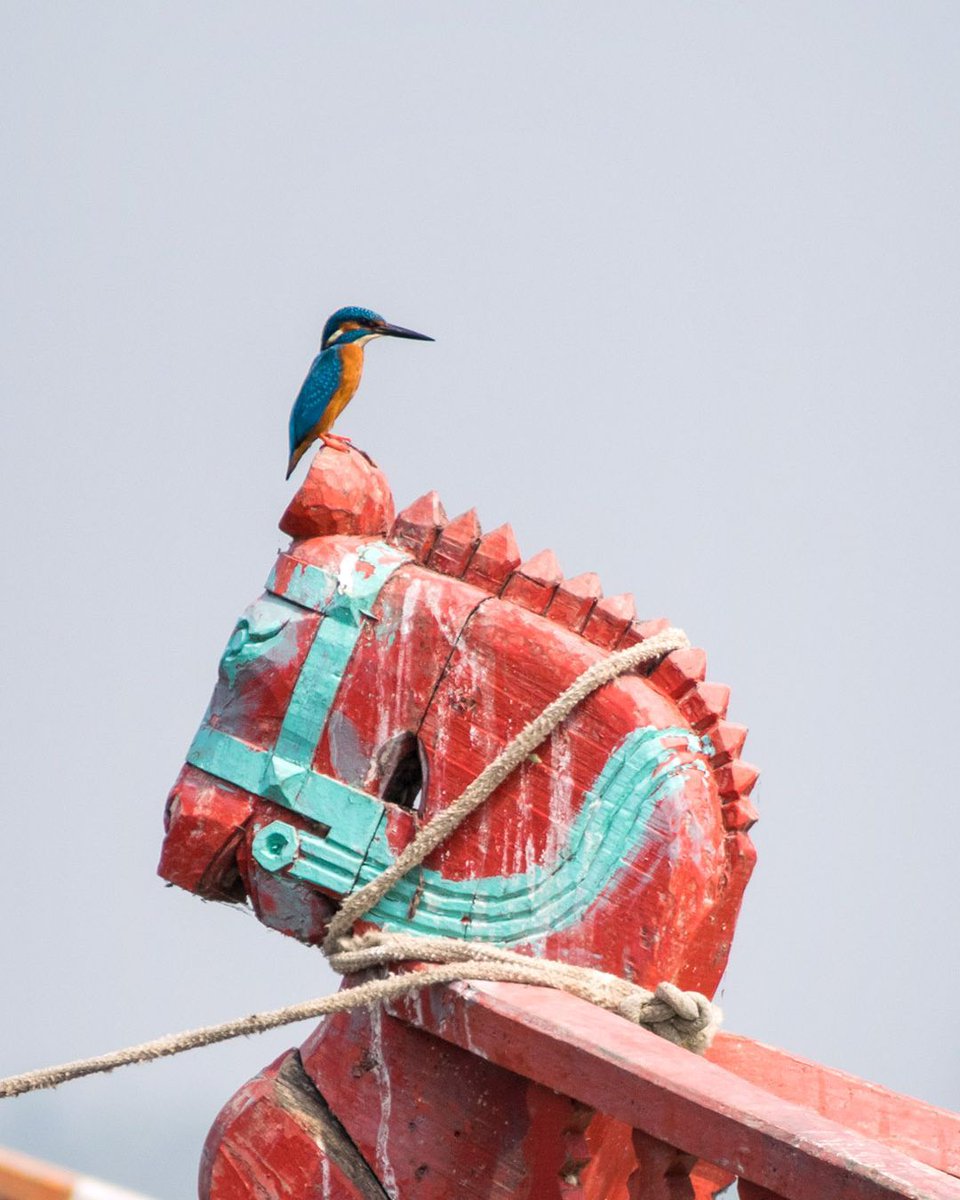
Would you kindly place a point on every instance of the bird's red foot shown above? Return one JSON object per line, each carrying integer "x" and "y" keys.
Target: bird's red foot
{"x": 336, "y": 441}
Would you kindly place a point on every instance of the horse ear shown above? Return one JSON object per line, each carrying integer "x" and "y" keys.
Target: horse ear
{"x": 344, "y": 492}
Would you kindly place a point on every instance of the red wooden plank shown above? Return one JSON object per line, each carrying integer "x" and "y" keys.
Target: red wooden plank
{"x": 676, "y": 1097}
{"x": 927, "y": 1133}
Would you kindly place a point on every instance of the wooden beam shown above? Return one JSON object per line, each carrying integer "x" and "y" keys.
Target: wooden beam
{"x": 702, "y": 1109}
{"x": 929, "y": 1134}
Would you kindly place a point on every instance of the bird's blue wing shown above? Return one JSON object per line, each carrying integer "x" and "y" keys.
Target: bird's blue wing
{"x": 321, "y": 383}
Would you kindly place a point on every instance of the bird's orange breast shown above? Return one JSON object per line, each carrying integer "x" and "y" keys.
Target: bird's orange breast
{"x": 351, "y": 363}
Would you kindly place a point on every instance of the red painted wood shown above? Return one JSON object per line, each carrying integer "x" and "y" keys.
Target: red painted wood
{"x": 483, "y": 1090}
{"x": 454, "y": 667}
{"x": 454, "y": 547}
{"x": 573, "y": 600}
{"x": 534, "y": 582}
{"x": 494, "y": 559}
{"x": 676, "y": 1097}
{"x": 436, "y": 1121}
{"x": 203, "y": 825}
{"x": 343, "y": 494}
{"x": 736, "y": 779}
{"x": 506, "y": 666}
{"x": 927, "y": 1133}
{"x": 680, "y": 670}
{"x": 609, "y": 620}
{"x": 418, "y": 526}
{"x": 662, "y": 1171}
{"x": 739, "y": 814}
{"x": 642, "y": 630}
{"x": 728, "y": 740}
{"x": 705, "y": 704}
{"x": 267, "y": 1142}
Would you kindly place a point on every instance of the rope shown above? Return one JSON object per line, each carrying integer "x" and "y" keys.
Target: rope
{"x": 685, "y": 1018}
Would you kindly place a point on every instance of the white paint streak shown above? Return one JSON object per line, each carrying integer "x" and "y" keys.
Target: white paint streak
{"x": 384, "y": 1168}
{"x": 325, "y": 1177}
{"x": 347, "y": 573}
{"x": 560, "y": 805}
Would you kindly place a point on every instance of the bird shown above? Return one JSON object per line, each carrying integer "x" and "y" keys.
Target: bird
{"x": 334, "y": 376}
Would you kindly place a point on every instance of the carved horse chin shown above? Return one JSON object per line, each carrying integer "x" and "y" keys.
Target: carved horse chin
{"x": 388, "y": 661}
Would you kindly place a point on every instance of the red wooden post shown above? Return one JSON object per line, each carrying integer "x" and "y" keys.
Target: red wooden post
{"x": 662, "y": 1171}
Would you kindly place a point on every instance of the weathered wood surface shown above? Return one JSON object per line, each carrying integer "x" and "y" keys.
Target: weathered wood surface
{"x": 432, "y": 1120}
{"x": 454, "y": 650}
{"x": 674, "y": 1097}
{"x": 390, "y": 659}
{"x": 924, "y": 1132}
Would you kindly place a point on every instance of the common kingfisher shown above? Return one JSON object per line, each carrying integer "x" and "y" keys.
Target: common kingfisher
{"x": 334, "y": 376}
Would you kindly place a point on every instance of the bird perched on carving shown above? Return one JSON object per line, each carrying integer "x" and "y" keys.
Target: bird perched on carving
{"x": 334, "y": 377}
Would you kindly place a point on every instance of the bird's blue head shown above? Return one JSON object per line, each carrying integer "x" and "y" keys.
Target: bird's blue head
{"x": 354, "y": 324}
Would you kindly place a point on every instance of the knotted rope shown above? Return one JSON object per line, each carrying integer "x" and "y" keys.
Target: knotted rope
{"x": 685, "y": 1018}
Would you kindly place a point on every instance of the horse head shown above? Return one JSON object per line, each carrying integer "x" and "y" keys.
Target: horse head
{"x": 390, "y": 658}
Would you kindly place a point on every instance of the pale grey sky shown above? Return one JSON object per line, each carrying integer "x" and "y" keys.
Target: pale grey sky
{"x": 692, "y": 270}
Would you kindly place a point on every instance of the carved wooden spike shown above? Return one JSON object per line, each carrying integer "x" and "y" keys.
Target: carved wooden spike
{"x": 343, "y": 492}
{"x": 740, "y": 815}
{"x": 705, "y": 703}
{"x": 417, "y": 526}
{"x": 534, "y": 582}
{"x": 573, "y": 600}
{"x": 495, "y": 557}
{"x": 679, "y": 670}
{"x": 639, "y": 631}
{"x": 727, "y": 741}
{"x": 736, "y": 778}
{"x": 610, "y": 619}
{"x": 455, "y": 545}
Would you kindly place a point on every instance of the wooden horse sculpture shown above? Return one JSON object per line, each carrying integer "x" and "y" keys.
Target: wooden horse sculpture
{"x": 390, "y": 659}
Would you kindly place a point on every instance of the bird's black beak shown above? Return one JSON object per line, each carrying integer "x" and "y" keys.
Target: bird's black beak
{"x": 399, "y": 331}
